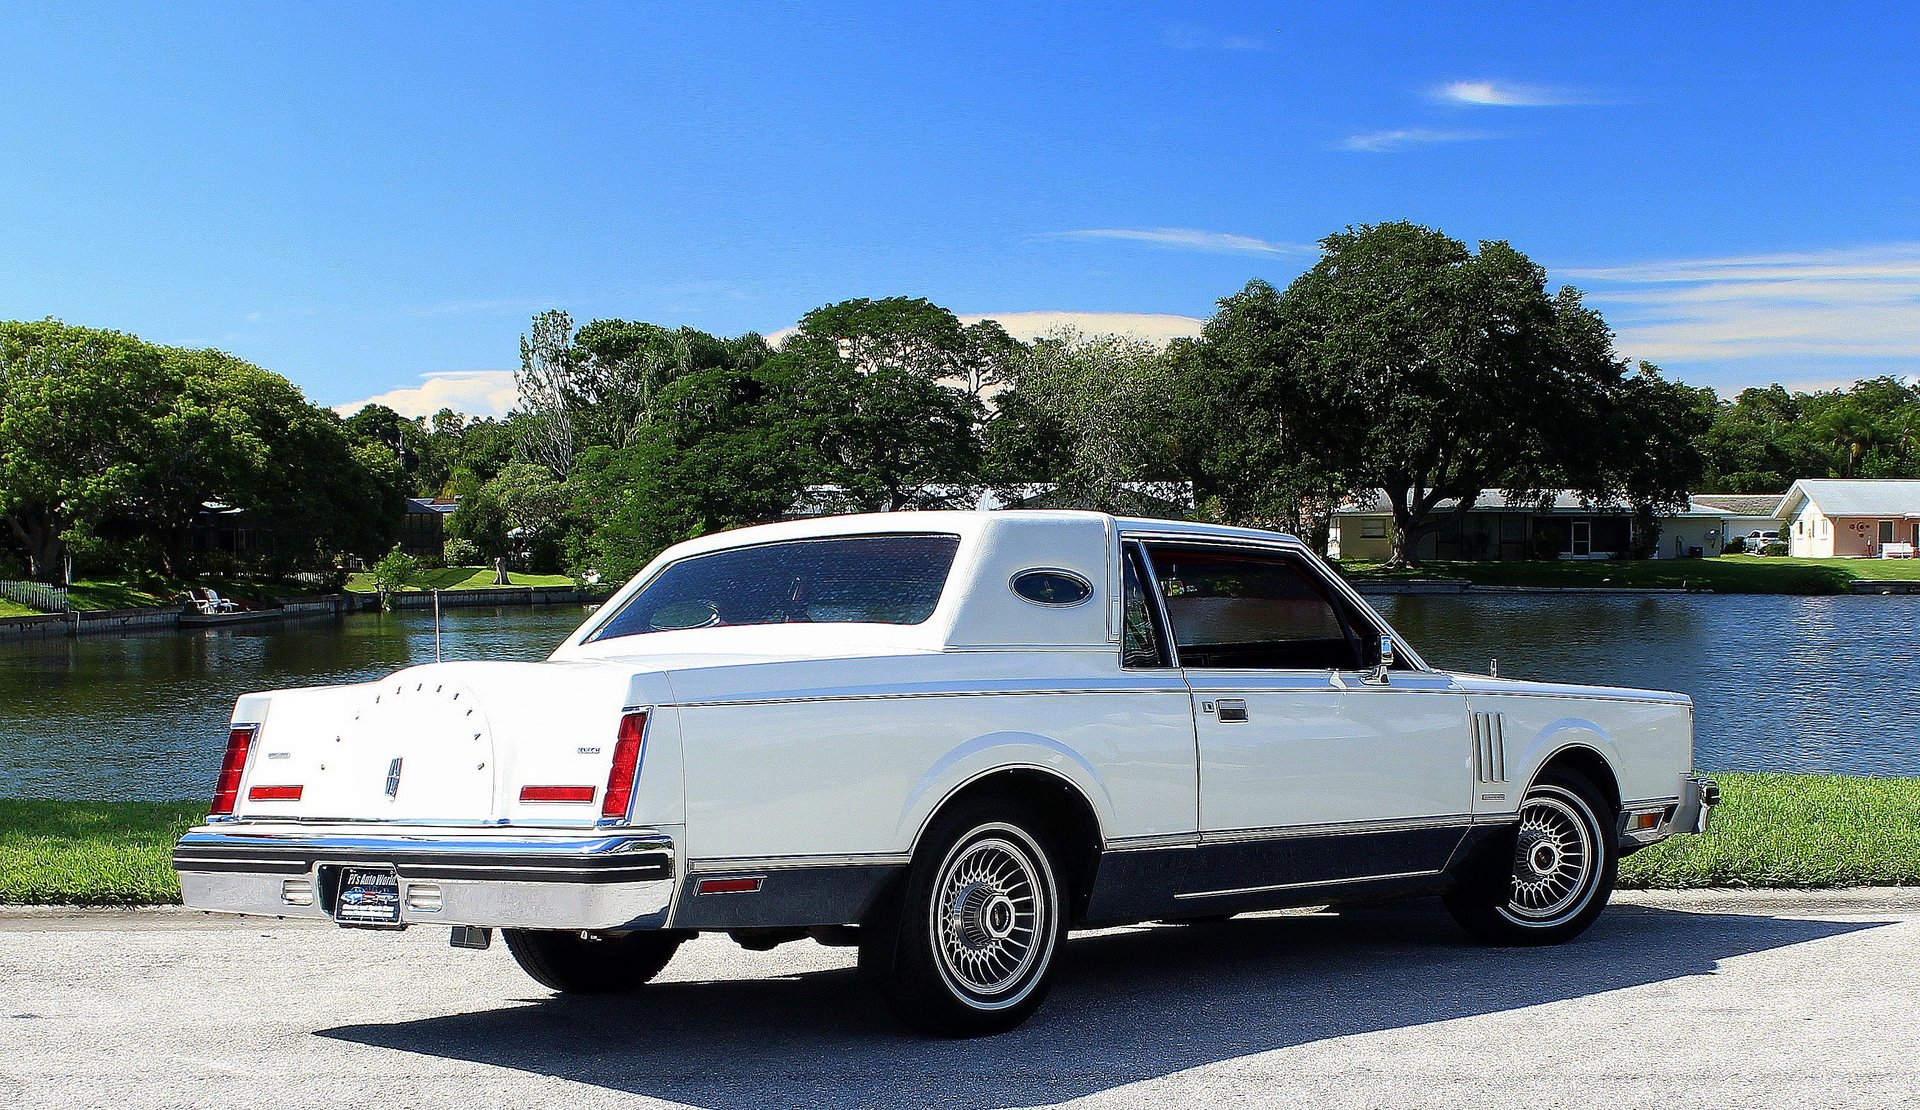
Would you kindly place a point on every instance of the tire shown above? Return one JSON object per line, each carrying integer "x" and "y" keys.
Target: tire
{"x": 965, "y": 945}
{"x": 572, "y": 962}
{"x": 1549, "y": 880}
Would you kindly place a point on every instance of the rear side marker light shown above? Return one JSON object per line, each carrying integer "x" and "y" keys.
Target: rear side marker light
{"x": 226, "y": 789}
{"x": 626, "y": 765}
{"x": 730, "y": 886}
{"x": 274, "y": 793}
{"x": 556, "y": 794}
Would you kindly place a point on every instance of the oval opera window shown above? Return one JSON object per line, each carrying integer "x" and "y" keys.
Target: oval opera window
{"x": 1052, "y": 587}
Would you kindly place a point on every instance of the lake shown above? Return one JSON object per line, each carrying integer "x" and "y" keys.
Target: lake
{"x": 1782, "y": 683}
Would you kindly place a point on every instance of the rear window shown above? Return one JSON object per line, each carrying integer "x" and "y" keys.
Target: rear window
{"x": 887, "y": 579}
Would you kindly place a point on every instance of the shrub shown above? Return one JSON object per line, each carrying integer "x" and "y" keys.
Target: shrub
{"x": 396, "y": 571}
{"x": 463, "y": 553}
{"x": 1774, "y": 549}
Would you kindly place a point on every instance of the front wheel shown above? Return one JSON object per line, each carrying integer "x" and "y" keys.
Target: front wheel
{"x": 573, "y": 962}
{"x": 966, "y": 948}
{"x": 1557, "y": 877}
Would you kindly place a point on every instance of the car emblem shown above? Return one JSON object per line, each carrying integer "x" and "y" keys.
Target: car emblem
{"x": 393, "y": 778}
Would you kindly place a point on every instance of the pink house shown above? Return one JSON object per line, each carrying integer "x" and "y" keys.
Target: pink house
{"x": 1826, "y": 518}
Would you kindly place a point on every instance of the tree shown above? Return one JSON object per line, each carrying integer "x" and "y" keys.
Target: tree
{"x": 78, "y": 414}
{"x": 522, "y": 512}
{"x": 1087, "y": 415}
{"x": 1405, "y": 362}
{"x": 548, "y": 363}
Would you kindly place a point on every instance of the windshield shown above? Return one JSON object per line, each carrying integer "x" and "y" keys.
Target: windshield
{"x": 886, "y": 579}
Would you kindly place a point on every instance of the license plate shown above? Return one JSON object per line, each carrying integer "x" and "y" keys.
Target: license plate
{"x": 368, "y": 896}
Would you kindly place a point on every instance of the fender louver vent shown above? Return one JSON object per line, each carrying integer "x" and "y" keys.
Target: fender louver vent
{"x": 1489, "y": 747}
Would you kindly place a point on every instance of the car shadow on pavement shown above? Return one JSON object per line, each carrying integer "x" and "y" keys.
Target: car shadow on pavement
{"x": 1128, "y": 1006}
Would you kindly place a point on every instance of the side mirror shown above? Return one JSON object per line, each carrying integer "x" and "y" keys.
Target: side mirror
{"x": 1384, "y": 663}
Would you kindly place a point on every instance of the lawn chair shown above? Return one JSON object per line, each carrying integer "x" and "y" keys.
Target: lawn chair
{"x": 208, "y": 603}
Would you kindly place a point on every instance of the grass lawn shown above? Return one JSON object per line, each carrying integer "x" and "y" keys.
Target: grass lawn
{"x": 91, "y": 853}
{"x": 15, "y": 609}
{"x": 463, "y": 578}
{"x": 1794, "y": 831}
{"x": 1728, "y": 574}
{"x": 158, "y": 593}
{"x": 1771, "y": 831}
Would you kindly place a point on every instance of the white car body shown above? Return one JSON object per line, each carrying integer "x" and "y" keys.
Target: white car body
{"x": 788, "y": 771}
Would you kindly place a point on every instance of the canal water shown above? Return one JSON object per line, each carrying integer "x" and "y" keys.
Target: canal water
{"x": 1782, "y": 683}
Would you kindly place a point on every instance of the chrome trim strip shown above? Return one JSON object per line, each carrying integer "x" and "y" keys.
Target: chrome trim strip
{"x": 708, "y": 867}
{"x": 1340, "y": 828}
{"x": 1303, "y": 886}
{"x": 1152, "y": 842}
{"x": 1171, "y": 685}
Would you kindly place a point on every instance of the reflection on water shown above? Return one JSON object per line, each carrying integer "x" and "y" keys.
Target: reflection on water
{"x": 1782, "y": 683}
{"x": 145, "y": 715}
{"x": 1779, "y": 683}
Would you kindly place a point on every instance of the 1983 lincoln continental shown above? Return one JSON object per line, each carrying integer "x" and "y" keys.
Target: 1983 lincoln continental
{"x": 946, "y": 738}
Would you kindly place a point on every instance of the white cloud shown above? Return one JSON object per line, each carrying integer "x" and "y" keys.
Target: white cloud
{"x": 1186, "y": 238}
{"x": 1383, "y": 142}
{"x": 474, "y": 392}
{"x": 1857, "y": 303}
{"x": 1158, "y": 327}
{"x": 1508, "y": 94}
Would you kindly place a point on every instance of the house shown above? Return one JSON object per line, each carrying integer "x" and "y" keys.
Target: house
{"x": 1742, "y": 515}
{"x": 1560, "y": 525}
{"x": 1825, "y": 518}
{"x": 423, "y": 530}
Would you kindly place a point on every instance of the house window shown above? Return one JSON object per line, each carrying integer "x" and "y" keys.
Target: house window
{"x": 1799, "y": 527}
{"x": 1826, "y": 526}
{"x": 1373, "y": 528}
{"x": 1886, "y": 531}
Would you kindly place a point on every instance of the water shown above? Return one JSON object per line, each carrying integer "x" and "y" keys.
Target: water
{"x": 1782, "y": 683}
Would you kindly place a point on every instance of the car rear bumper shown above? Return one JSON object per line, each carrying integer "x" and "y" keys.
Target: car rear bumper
{"x": 499, "y": 877}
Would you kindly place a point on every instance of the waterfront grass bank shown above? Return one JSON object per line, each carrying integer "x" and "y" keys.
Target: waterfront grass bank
{"x": 1778, "y": 831}
{"x": 1728, "y": 574}
{"x": 460, "y": 578}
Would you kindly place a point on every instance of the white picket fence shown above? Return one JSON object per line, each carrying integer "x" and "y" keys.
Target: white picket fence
{"x": 35, "y": 595}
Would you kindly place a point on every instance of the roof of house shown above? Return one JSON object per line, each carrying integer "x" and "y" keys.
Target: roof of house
{"x": 1374, "y": 502}
{"x": 440, "y": 505}
{"x": 1738, "y": 504}
{"x": 1881, "y": 497}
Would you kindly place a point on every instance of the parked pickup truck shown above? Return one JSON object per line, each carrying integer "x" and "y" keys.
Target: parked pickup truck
{"x": 946, "y": 738}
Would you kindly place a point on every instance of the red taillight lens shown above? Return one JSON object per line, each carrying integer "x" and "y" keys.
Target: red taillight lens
{"x": 556, "y": 793}
{"x": 626, "y": 765}
{"x": 226, "y": 790}
{"x": 274, "y": 793}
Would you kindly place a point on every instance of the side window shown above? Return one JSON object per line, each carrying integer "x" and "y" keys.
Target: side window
{"x": 1142, "y": 643}
{"x": 1241, "y": 609}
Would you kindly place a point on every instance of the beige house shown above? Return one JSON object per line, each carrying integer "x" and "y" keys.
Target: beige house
{"x": 1827, "y": 518}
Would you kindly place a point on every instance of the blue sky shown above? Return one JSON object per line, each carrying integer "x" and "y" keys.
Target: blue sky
{"x": 377, "y": 200}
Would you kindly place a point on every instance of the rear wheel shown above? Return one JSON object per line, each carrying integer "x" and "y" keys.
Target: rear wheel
{"x": 966, "y": 947}
{"x": 591, "y": 963}
{"x": 1556, "y": 877}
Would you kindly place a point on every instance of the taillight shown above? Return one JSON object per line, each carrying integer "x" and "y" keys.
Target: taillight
{"x": 274, "y": 793}
{"x": 626, "y": 765}
{"x": 226, "y": 790}
{"x": 556, "y": 794}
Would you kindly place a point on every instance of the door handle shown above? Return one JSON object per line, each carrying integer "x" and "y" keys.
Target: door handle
{"x": 1232, "y": 709}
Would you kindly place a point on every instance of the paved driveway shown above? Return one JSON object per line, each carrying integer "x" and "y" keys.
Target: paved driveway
{"x": 1685, "y": 1000}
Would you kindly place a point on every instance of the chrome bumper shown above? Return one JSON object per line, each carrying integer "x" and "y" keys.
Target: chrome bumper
{"x": 494, "y": 876}
{"x": 1645, "y": 823}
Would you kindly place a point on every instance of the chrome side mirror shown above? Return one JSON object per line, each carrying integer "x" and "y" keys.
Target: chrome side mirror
{"x": 1383, "y": 665}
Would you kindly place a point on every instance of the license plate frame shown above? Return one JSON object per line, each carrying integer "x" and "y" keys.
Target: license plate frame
{"x": 367, "y": 896}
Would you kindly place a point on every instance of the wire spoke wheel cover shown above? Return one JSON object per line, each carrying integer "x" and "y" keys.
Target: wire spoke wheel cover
{"x": 1556, "y": 859}
{"x": 992, "y": 917}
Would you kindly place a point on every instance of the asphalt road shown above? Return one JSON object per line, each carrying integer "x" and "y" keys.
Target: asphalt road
{"x": 1682, "y": 1000}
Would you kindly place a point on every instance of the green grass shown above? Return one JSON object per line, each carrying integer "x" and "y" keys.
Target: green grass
{"x": 159, "y": 593}
{"x": 1728, "y": 574}
{"x": 1771, "y": 831}
{"x": 463, "y": 578}
{"x": 91, "y": 853}
{"x": 1794, "y": 831}
{"x": 15, "y": 609}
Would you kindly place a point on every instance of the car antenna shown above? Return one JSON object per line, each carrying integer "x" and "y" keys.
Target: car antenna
{"x": 436, "y": 626}
{"x": 1493, "y": 668}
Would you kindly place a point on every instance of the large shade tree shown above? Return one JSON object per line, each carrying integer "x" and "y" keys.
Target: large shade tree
{"x": 1405, "y": 362}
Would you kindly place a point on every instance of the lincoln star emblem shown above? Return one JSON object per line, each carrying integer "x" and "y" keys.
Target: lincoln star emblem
{"x": 393, "y": 777}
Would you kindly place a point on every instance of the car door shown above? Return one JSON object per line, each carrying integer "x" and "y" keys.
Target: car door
{"x": 1317, "y": 771}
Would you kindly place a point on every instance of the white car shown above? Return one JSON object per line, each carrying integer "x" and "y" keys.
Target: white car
{"x": 946, "y": 738}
